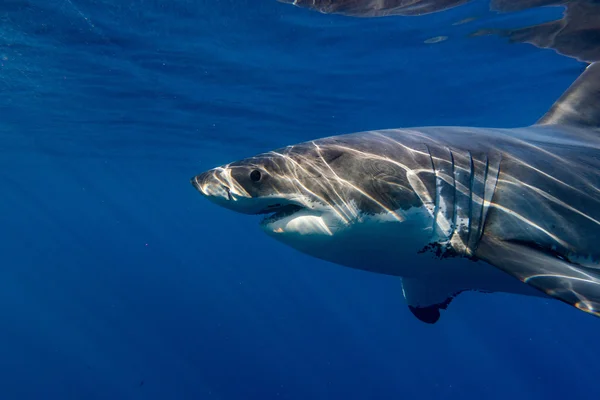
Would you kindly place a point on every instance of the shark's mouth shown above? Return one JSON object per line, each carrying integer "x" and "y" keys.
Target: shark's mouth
{"x": 276, "y": 212}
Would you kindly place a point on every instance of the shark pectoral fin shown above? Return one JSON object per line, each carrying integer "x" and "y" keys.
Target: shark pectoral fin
{"x": 580, "y": 103}
{"x": 426, "y": 298}
{"x": 573, "y": 284}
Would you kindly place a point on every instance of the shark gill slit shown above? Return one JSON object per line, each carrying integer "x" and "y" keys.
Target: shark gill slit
{"x": 454, "y": 202}
{"x": 486, "y": 189}
{"x": 484, "y": 183}
{"x": 475, "y": 233}
{"x": 436, "y": 207}
{"x": 471, "y": 188}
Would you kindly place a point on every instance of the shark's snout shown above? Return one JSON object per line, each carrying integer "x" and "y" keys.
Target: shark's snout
{"x": 196, "y": 183}
{"x": 202, "y": 181}
{"x": 211, "y": 185}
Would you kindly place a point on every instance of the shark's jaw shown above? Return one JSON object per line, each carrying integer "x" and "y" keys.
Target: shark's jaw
{"x": 291, "y": 222}
{"x": 278, "y": 212}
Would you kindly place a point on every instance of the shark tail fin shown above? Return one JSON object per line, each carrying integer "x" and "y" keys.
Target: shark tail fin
{"x": 580, "y": 104}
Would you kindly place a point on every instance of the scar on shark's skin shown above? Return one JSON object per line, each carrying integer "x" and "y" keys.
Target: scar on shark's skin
{"x": 489, "y": 205}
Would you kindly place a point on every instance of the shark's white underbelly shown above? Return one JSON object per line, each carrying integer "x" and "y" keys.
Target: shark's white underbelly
{"x": 381, "y": 244}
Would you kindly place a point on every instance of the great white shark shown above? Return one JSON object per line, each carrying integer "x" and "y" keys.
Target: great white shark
{"x": 500, "y": 210}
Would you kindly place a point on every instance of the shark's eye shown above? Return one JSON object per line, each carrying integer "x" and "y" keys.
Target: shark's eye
{"x": 255, "y": 175}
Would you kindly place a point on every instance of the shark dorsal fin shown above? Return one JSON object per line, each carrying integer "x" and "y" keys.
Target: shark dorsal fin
{"x": 580, "y": 104}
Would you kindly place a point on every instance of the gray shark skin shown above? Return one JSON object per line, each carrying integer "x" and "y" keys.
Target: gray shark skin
{"x": 501, "y": 210}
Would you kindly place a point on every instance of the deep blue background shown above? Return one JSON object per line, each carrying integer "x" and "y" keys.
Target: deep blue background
{"x": 118, "y": 281}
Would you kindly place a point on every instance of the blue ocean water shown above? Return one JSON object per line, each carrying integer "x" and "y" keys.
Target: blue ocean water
{"x": 118, "y": 281}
